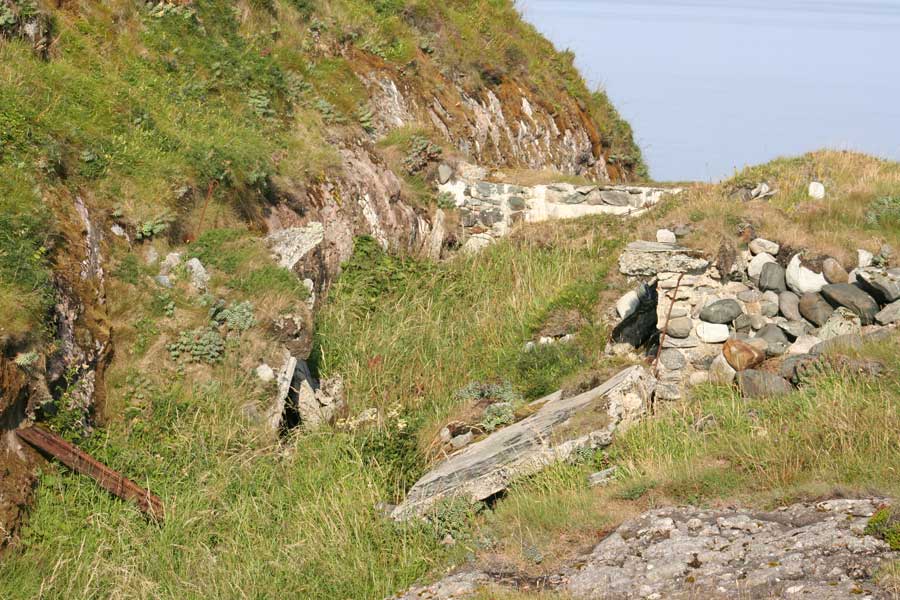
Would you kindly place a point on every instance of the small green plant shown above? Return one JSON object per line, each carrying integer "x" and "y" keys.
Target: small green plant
{"x": 446, "y": 201}
{"x": 152, "y": 228}
{"x": 421, "y": 152}
{"x": 364, "y": 116}
{"x": 500, "y": 392}
{"x": 146, "y": 331}
{"x": 26, "y": 359}
{"x": 329, "y": 112}
{"x": 451, "y": 516}
{"x": 260, "y": 103}
{"x": 128, "y": 269}
{"x": 885, "y": 525}
{"x": 497, "y": 415}
{"x": 884, "y": 211}
{"x": 237, "y": 317}
{"x": 204, "y": 344}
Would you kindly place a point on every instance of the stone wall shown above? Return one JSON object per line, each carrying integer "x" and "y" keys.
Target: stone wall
{"x": 754, "y": 321}
{"x": 488, "y": 210}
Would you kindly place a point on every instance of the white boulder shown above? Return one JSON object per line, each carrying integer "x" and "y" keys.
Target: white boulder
{"x": 816, "y": 191}
{"x": 802, "y": 280}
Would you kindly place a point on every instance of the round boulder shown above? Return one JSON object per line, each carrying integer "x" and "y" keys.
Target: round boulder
{"x": 834, "y": 272}
{"x": 741, "y": 355}
{"x": 772, "y": 278}
{"x": 815, "y": 309}
{"x": 789, "y": 305}
{"x": 721, "y": 312}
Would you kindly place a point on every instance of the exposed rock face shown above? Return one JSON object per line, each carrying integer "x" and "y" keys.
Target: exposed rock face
{"x": 17, "y": 460}
{"x": 809, "y": 550}
{"x": 549, "y": 435}
{"x": 804, "y": 550}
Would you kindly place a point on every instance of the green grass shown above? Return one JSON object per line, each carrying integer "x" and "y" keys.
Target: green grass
{"x": 409, "y": 332}
{"x": 249, "y": 518}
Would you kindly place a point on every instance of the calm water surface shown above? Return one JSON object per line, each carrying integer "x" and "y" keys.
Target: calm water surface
{"x": 714, "y": 85}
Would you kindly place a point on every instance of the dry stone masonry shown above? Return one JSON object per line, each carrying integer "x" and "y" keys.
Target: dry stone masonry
{"x": 488, "y": 210}
{"x": 748, "y": 318}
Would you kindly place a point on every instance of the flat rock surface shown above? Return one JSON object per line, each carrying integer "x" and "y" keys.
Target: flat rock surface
{"x": 549, "y": 435}
{"x": 816, "y": 551}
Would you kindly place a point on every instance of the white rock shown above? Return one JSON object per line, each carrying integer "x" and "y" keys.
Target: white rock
{"x": 199, "y": 276}
{"x": 665, "y": 236}
{"x": 712, "y": 333}
{"x": 265, "y": 373}
{"x": 756, "y": 264}
{"x": 842, "y": 322}
{"x": 803, "y": 344}
{"x": 627, "y": 304}
{"x": 117, "y": 230}
{"x": 290, "y": 245}
{"x": 802, "y": 280}
{"x": 865, "y": 258}
{"x": 721, "y": 372}
{"x": 816, "y": 190}
{"x": 151, "y": 256}
{"x": 760, "y": 245}
{"x": 172, "y": 260}
{"x": 545, "y": 341}
{"x": 477, "y": 243}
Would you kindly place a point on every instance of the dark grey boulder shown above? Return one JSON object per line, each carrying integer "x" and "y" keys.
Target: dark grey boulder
{"x": 815, "y": 309}
{"x": 775, "y": 338}
{"x": 721, "y": 312}
{"x": 772, "y": 278}
{"x": 762, "y": 384}
{"x": 850, "y": 296}
{"x": 789, "y": 305}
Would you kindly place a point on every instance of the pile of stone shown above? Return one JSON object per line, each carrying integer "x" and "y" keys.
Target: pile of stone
{"x": 488, "y": 210}
{"x": 722, "y": 321}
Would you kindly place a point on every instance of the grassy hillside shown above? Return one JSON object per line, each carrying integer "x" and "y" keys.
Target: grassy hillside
{"x": 251, "y": 517}
{"x": 141, "y": 107}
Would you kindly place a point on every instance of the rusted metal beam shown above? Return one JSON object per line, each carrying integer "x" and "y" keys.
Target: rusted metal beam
{"x": 83, "y": 463}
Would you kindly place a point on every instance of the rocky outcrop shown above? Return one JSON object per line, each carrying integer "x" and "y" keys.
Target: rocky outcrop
{"x": 804, "y": 550}
{"x": 556, "y": 430}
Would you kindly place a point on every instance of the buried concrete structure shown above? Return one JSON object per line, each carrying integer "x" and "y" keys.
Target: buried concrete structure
{"x": 556, "y": 430}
